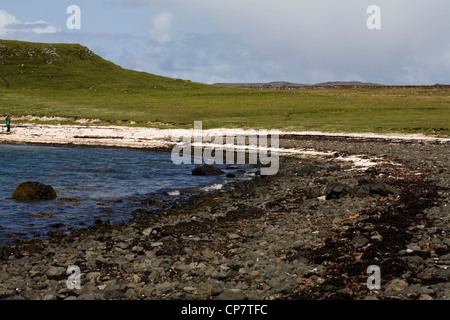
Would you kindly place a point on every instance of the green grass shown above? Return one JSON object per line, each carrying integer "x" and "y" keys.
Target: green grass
{"x": 78, "y": 83}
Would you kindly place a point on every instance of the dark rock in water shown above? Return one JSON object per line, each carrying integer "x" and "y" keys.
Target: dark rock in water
{"x": 151, "y": 201}
{"x": 337, "y": 190}
{"x": 34, "y": 191}
{"x": 206, "y": 170}
{"x": 56, "y": 225}
{"x": 139, "y": 213}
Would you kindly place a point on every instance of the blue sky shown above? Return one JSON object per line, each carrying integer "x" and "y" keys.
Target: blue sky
{"x": 302, "y": 41}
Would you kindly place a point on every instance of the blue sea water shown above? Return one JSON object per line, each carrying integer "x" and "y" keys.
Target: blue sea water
{"x": 91, "y": 183}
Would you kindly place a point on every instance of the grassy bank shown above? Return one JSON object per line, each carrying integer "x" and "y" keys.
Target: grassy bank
{"x": 71, "y": 81}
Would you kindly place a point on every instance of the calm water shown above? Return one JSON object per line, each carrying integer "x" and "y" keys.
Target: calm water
{"x": 91, "y": 183}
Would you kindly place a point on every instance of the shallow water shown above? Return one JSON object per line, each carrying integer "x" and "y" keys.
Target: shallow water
{"x": 91, "y": 182}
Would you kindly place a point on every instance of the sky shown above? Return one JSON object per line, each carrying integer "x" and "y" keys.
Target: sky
{"x": 403, "y": 42}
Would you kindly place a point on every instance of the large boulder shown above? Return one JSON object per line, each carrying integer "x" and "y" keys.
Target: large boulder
{"x": 206, "y": 170}
{"x": 33, "y": 190}
{"x": 370, "y": 188}
{"x": 337, "y": 190}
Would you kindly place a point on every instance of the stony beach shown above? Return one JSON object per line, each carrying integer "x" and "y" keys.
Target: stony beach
{"x": 337, "y": 206}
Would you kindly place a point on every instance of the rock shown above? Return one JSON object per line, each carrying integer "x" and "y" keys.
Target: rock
{"x": 4, "y": 253}
{"x": 284, "y": 286}
{"x": 397, "y": 285}
{"x": 206, "y": 170}
{"x": 55, "y": 271}
{"x": 112, "y": 294}
{"x": 413, "y": 247}
{"x": 233, "y": 236}
{"x": 373, "y": 187}
{"x": 157, "y": 244}
{"x": 34, "y": 191}
{"x": 101, "y": 287}
{"x": 164, "y": 287}
{"x": 414, "y": 290}
{"x": 231, "y": 294}
{"x": 307, "y": 169}
{"x": 138, "y": 213}
{"x": 147, "y": 232}
{"x": 359, "y": 241}
{"x": 337, "y": 190}
{"x": 312, "y": 192}
{"x": 87, "y": 296}
{"x": 151, "y": 202}
{"x": 50, "y": 296}
{"x": 208, "y": 254}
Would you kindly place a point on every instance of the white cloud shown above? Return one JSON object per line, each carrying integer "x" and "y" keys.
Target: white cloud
{"x": 6, "y": 20}
{"x": 162, "y": 27}
{"x": 263, "y": 40}
{"x": 10, "y": 25}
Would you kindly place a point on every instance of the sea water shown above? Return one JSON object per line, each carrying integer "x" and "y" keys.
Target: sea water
{"x": 91, "y": 183}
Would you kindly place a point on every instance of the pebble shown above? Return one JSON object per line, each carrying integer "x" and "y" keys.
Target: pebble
{"x": 397, "y": 285}
{"x": 359, "y": 241}
{"x": 231, "y": 294}
{"x": 284, "y": 286}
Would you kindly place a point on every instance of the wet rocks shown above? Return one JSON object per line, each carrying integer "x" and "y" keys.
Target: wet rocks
{"x": 4, "y": 253}
{"x": 274, "y": 239}
{"x": 337, "y": 190}
{"x": 373, "y": 187}
{"x": 33, "y": 190}
{"x": 206, "y": 170}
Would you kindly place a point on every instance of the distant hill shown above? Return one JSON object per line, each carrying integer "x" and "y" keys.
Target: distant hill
{"x": 284, "y": 84}
{"x": 347, "y": 83}
{"x": 274, "y": 84}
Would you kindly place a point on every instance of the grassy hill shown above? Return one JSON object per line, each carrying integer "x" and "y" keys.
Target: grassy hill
{"x": 72, "y": 67}
{"x": 69, "y": 80}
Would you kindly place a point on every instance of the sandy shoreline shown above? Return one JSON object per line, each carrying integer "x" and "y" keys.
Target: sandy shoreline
{"x": 140, "y": 137}
{"x": 166, "y": 139}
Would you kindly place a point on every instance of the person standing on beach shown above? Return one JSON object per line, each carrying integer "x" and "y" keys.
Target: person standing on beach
{"x": 8, "y": 124}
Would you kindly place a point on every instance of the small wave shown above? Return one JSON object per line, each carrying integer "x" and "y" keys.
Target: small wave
{"x": 173, "y": 193}
{"x": 216, "y": 186}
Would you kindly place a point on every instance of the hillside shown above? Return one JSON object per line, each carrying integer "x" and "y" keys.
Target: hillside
{"x": 70, "y": 67}
{"x": 70, "y": 81}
